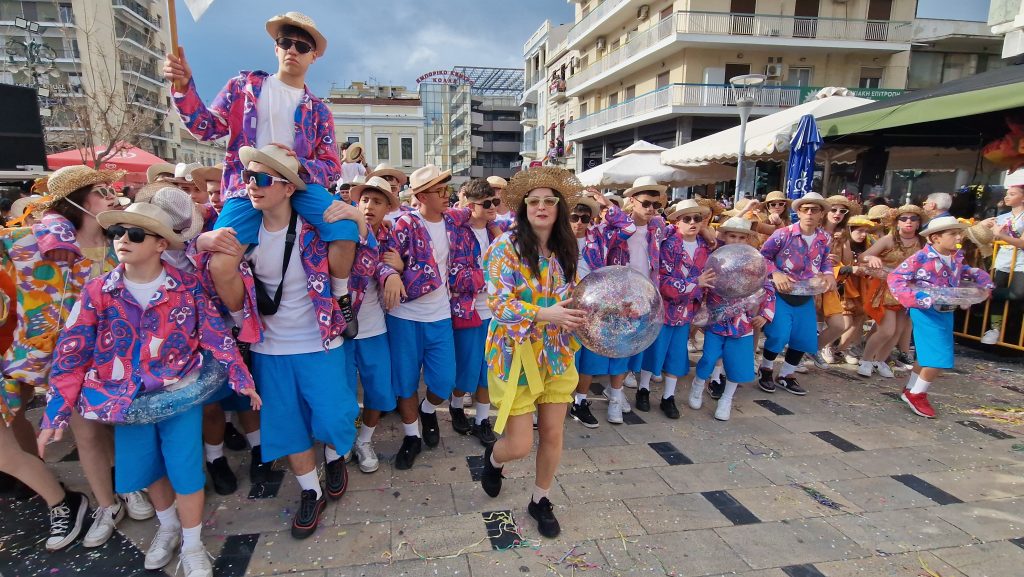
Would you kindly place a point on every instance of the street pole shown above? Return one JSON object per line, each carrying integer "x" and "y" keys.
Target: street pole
{"x": 744, "y": 104}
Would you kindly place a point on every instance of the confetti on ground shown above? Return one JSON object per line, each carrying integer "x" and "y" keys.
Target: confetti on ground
{"x": 819, "y": 497}
{"x": 1007, "y": 415}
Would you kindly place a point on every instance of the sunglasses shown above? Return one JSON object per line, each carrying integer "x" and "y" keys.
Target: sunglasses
{"x": 810, "y": 210}
{"x": 260, "y": 179}
{"x": 690, "y": 219}
{"x": 300, "y": 46}
{"x": 491, "y": 202}
{"x": 584, "y": 218}
{"x": 839, "y": 210}
{"x": 777, "y": 204}
{"x": 105, "y": 192}
{"x": 533, "y": 201}
{"x": 650, "y": 203}
{"x": 135, "y": 234}
{"x": 444, "y": 192}
{"x": 909, "y": 218}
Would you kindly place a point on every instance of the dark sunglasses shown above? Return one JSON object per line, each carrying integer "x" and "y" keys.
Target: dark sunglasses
{"x": 300, "y": 46}
{"x": 690, "y": 219}
{"x": 260, "y": 179}
{"x": 491, "y": 202}
{"x": 135, "y": 234}
{"x": 584, "y": 218}
{"x": 909, "y": 218}
{"x": 650, "y": 203}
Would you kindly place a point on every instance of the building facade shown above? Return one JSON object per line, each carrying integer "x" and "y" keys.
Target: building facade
{"x": 545, "y": 107}
{"x": 388, "y": 120}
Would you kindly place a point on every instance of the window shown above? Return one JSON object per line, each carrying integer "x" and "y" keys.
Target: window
{"x": 67, "y": 15}
{"x": 870, "y": 78}
{"x": 383, "y": 148}
{"x": 631, "y": 92}
{"x": 615, "y": 45}
{"x": 583, "y": 109}
{"x": 665, "y": 13}
{"x": 406, "y": 150}
{"x": 798, "y": 76}
{"x": 353, "y": 139}
{"x": 613, "y": 99}
{"x": 663, "y": 80}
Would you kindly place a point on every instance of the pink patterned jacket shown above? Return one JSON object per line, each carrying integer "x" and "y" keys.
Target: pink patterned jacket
{"x": 465, "y": 273}
{"x": 786, "y": 251}
{"x": 925, "y": 268}
{"x": 368, "y": 266}
{"x": 618, "y": 250}
{"x": 410, "y": 239}
{"x": 678, "y": 277}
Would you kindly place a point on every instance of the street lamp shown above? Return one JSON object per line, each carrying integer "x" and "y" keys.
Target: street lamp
{"x": 744, "y": 89}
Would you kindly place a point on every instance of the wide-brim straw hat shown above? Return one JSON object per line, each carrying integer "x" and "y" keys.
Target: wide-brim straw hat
{"x": 841, "y": 200}
{"x": 23, "y": 206}
{"x": 384, "y": 169}
{"x": 878, "y": 212}
{"x": 811, "y": 198}
{"x": 645, "y": 184}
{"x": 895, "y": 213}
{"x": 551, "y": 177}
{"x": 497, "y": 182}
{"x": 160, "y": 168}
{"x": 148, "y": 216}
{"x": 713, "y": 205}
{"x": 376, "y": 183}
{"x": 588, "y": 201}
{"x": 858, "y": 221}
{"x": 982, "y": 237}
{"x": 68, "y": 179}
{"x": 942, "y": 224}
{"x": 777, "y": 195}
{"x": 615, "y": 199}
{"x": 354, "y": 151}
{"x": 204, "y": 174}
{"x": 186, "y": 218}
{"x": 275, "y": 158}
{"x": 426, "y": 177}
{"x": 688, "y": 206}
{"x": 299, "y": 20}
{"x": 737, "y": 224}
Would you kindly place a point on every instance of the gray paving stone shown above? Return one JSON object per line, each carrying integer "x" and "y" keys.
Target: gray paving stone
{"x": 987, "y": 520}
{"x": 699, "y": 552}
{"x": 577, "y": 436}
{"x": 783, "y": 543}
{"x": 328, "y": 547}
{"x": 796, "y": 444}
{"x": 674, "y": 513}
{"x": 1000, "y": 559}
{"x": 906, "y": 565}
{"x": 879, "y": 494}
{"x": 436, "y": 537}
{"x": 456, "y": 567}
{"x": 977, "y": 485}
{"x": 615, "y": 458}
{"x": 899, "y": 461}
{"x": 884, "y": 438}
{"x": 541, "y": 562}
{"x": 515, "y": 495}
{"x": 808, "y": 468}
{"x": 701, "y": 477}
{"x": 900, "y": 531}
{"x": 433, "y": 469}
{"x": 589, "y": 521}
{"x": 425, "y": 500}
{"x": 779, "y": 502}
{"x": 613, "y": 485}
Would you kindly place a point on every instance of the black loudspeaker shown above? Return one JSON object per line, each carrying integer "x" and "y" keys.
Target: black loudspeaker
{"x": 870, "y": 169}
{"x": 21, "y": 129}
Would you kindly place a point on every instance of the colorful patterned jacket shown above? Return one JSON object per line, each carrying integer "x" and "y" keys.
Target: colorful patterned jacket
{"x": 617, "y": 224}
{"x": 410, "y": 239}
{"x": 113, "y": 349}
{"x": 787, "y": 252}
{"x": 740, "y": 326}
{"x": 233, "y": 114}
{"x": 368, "y": 266}
{"x": 925, "y": 268}
{"x": 465, "y": 272}
{"x": 678, "y": 277}
{"x": 318, "y": 285}
{"x": 618, "y": 249}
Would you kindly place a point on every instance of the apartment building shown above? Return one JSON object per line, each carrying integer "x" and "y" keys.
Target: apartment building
{"x": 545, "y": 107}
{"x": 388, "y": 120}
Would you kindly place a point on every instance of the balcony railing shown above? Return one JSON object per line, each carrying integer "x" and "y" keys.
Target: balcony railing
{"x": 529, "y": 144}
{"x": 637, "y": 44}
{"x": 529, "y": 114}
{"x": 584, "y": 26}
{"x": 139, "y": 11}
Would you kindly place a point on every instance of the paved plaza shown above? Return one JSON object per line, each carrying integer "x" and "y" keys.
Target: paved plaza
{"x": 845, "y": 482}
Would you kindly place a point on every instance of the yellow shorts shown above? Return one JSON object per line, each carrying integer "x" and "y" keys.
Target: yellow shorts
{"x": 557, "y": 389}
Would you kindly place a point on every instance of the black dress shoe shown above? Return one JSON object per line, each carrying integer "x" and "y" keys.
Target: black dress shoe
{"x": 668, "y": 406}
{"x": 643, "y": 400}
{"x": 351, "y": 324}
{"x": 459, "y": 421}
{"x": 490, "y": 478}
{"x": 307, "y": 518}
{"x": 544, "y": 513}
{"x": 485, "y": 433}
{"x": 411, "y": 446}
{"x": 431, "y": 430}
{"x": 337, "y": 478}
{"x": 224, "y": 480}
{"x": 233, "y": 439}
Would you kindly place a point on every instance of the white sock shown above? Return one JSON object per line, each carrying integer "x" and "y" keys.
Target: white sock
{"x": 698, "y": 382}
{"x": 253, "y": 438}
{"x": 921, "y": 386}
{"x": 670, "y": 387}
{"x": 579, "y": 398}
{"x": 457, "y": 401}
{"x": 786, "y": 370}
{"x": 730, "y": 390}
{"x": 339, "y": 287}
{"x": 190, "y": 538}
{"x": 365, "y": 434}
{"x": 169, "y": 517}
{"x": 911, "y": 381}
{"x": 616, "y": 394}
{"x": 645, "y": 379}
{"x": 539, "y": 493}
{"x": 412, "y": 429}
{"x": 766, "y": 364}
{"x": 494, "y": 463}
{"x": 213, "y": 452}
{"x": 427, "y": 407}
{"x": 330, "y": 455}
{"x": 310, "y": 482}
{"x": 717, "y": 373}
{"x": 483, "y": 411}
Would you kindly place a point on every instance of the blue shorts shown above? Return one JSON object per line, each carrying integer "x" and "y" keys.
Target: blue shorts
{"x": 796, "y": 327}
{"x": 426, "y": 346}
{"x": 933, "y": 334}
{"x": 737, "y": 356}
{"x": 173, "y": 448}
{"x": 229, "y": 400}
{"x": 668, "y": 354}
{"x": 371, "y": 358}
{"x": 470, "y": 366}
{"x": 305, "y": 397}
{"x": 239, "y": 214}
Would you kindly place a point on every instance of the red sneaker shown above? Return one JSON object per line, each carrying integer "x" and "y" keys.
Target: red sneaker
{"x": 918, "y": 403}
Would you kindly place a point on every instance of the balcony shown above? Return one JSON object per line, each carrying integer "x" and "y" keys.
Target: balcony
{"x": 146, "y": 73}
{"x": 529, "y": 116}
{"x": 138, "y": 12}
{"x": 528, "y": 147}
{"x": 770, "y": 26}
{"x": 596, "y": 22}
{"x": 556, "y": 90}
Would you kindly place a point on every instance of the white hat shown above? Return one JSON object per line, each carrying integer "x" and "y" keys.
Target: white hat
{"x": 275, "y": 158}
{"x": 497, "y": 182}
{"x": 942, "y": 224}
{"x": 1015, "y": 178}
{"x": 148, "y": 216}
{"x": 183, "y": 170}
{"x": 186, "y": 220}
{"x": 375, "y": 183}
{"x": 812, "y": 198}
{"x": 688, "y": 206}
{"x": 645, "y": 184}
{"x": 737, "y": 224}
{"x": 423, "y": 178}
{"x": 385, "y": 169}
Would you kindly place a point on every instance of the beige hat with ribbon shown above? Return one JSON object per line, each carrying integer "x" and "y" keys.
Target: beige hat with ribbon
{"x": 298, "y": 20}
{"x": 688, "y": 206}
{"x": 186, "y": 219}
{"x": 645, "y": 184}
{"x": 737, "y": 224}
{"x": 148, "y": 216}
{"x": 423, "y": 178}
{"x": 275, "y": 158}
{"x": 375, "y": 183}
{"x": 384, "y": 169}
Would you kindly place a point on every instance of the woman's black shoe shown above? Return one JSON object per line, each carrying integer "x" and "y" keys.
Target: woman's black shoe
{"x": 544, "y": 514}
{"x": 491, "y": 477}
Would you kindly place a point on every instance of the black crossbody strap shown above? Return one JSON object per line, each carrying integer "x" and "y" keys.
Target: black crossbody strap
{"x": 289, "y": 243}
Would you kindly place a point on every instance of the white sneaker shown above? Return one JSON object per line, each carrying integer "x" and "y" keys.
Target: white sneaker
{"x": 828, "y": 355}
{"x": 657, "y": 378}
{"x": 138, "y": 505}
{"x": 367, "y": 457}
{"x": 696, "y": 395}
{"x": 866, "y": 368}
{"x": 819, "y": 361}
{"x": 105, "y": 520}
{"x": 990, "y": 337}
{"x": 626, "y": 408}
{"x": 615, "y": 411}
{"x": 724, "y": 409}
{"x": 630, "y": 382}
{"x": 850, "y": 358}
{"x": 884, "y": 370}
{"x": 165, "y": 543}
{"x": 196, "y": 562}
{"x": 802, "y": 367}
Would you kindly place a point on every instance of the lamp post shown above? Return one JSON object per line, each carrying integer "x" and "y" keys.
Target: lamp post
{"x": 744, "y": 88}
{"x": 39, "y": 60}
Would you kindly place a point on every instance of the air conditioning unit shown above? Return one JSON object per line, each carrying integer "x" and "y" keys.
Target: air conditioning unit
{"x": 774, "y": 70}
{"x": 643, "y": 12}
{"x": 600, "y": 43}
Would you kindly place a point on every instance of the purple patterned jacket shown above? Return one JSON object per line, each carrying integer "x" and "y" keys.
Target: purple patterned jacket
{"x": 925, "y": 268}
{"x": 233, "y": 114}
{"x": 678, "y": 277}
{"x": 595, "y": 250}
{"x": 366, "y": 266}
{"x": 465, "y": 274}
{"x": 618, "y": 250}
{"x": 112, "y": 349}
{"x": 740, "y": 326}
{"x": 410, "y": 239}
{"x": 786, "y": 251}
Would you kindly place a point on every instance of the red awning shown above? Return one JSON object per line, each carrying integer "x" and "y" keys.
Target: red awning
{"x": 129, "y": 158}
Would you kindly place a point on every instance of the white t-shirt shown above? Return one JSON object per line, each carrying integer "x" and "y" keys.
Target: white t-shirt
{"x": 1004, "y": 258}
{"x": 143, "y": 292}
{"x": 639, "y": 259}
{"x": 349, "y": 172}
{"x": 808, "y": 239}
{"x": 947, "y": 259}
{"x": 434, "y": 305}
{"x": 275, "y": 112}
{"x": 480, "y": 303}
{"x": 690, "y": 246}
{"x": 582, "y": 269}
{"x": 371, "y": 313}
{"x": 293, "y": 330}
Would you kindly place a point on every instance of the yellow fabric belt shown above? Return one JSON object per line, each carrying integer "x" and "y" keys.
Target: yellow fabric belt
{"x": 524, "y": 360}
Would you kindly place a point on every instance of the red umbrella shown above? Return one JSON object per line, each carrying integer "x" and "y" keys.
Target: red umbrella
{"x": 129, "y": 158}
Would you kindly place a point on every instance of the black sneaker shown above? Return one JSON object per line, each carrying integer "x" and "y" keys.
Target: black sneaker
{"x": 431, "y": 431}
{"x": 224, "y": 480}
{"x": 337, "y": 477}
{"x": 765, "y": 380}
{"x": 490, "y": 478}
{"x": 790, "y": 385}
{"x": 411, "y": 446}
{"x": 716, "y": 388}
{"x": 668, "y": 406}
{"x": 259, "y": 472}
{"x": 459, "y": 421}
{"x": 351, "y": 324}
{"x": 544, "y": 514}
{"x": 233, "y": 439}
{"x": 581, "y": 412}
{"x": 484, "y": 431}
{"x": 307, "y": 518}
{"x": 643, "y": 400}
{"x": 67, "y": 519}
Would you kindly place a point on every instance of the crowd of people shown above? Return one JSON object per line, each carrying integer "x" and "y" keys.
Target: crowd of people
{"x": 315, "y": 294}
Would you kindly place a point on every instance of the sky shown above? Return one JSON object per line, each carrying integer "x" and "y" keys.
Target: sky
{"x": 387, "y": 41}
{"x": 974, "y": 10}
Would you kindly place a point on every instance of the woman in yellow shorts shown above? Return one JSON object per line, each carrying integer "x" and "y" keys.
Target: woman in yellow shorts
{"x": 530, "y": 346}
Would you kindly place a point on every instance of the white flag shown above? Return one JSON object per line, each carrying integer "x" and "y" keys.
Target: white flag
{"x": 197, "y": 7}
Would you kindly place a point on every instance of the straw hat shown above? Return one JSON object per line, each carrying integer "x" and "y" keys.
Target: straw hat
{"x": 737, "y": 224}
{"x": 423, "y": 178}
{"x": 688, "y": 206}
{"x": 982, "y": 237}
{"x": 148, "y": 216}
{"x": 942, "y": 224}
{"x": 525, "y": 181}
{"x": 878, "y": 212}
{"x": 811, "y": 198}
{"x": 23, "y": 204}
{"x": 384, "y": 169}
{"x": 645, "y": 184}
{"x": 39, "y": 185}
{"x": 375, "y": 183}
{"x": 353, "y": 152}
{"x": 204, "y": 174}
{"x": 777, "y": 195}
{"x": 497, "y": 182}
{"x": 615, "y": 199}
{"x": 68, "y": 179}
{"x": 159, "y": 169}
{"x": 713, "y": 205}
{"x": 895, "y": 213}
{"x": 587, "y": 200}
{"x": 275, "y": 158}
{"x": 298, "y": 20}
{"x": 840, "y": 199}
{"x": 186, "y": 219}
{"x": 858, "y": 221}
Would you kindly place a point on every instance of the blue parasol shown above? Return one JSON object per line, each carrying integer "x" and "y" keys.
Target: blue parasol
{"x": 805, "y": 144}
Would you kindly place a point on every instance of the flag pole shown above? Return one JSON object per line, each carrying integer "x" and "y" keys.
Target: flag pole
{"x": 172, "y": 19}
